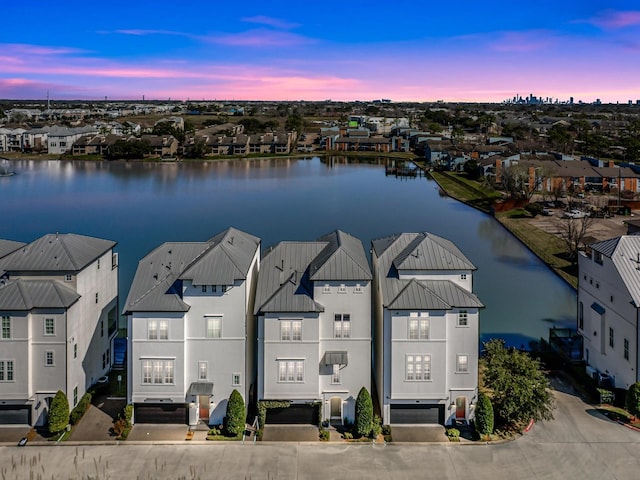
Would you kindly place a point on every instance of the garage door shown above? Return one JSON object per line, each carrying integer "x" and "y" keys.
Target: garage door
{"x": 294, "y": 414}
{"x": 12, "y": 415}
{"x": 417, "y": 414}
{"x": 176, "y": 414}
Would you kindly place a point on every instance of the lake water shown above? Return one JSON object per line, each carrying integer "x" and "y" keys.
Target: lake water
{"x": 141, "y": 205}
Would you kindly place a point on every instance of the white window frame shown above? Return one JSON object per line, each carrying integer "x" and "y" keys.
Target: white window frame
{"x": 625, "y": 352}
{"x": 7, "y": 371}
{"x": 463, "y": 318}
{"x": 291, "y": 330}
{"x": 419, "y": 328}
{"x": 290, "y": 371}
{"x": 68, "y": 277}
{"x": 418, "y": 367}
{"x": 158, "y": 329}
{"x": 463, "y": 276}
{"x": 203, "y": 370}
{"x": 75, "y": 395}
{"x": 326, "y": 288}
{"x": 203, "y": 289}
{"x": 49, "y": 358}
{"x": 213, "y": 326}
{"x": 49, "y": 327}
{"x": 158, "y": 371}
{"x": 6, "y": 328}
{"x": 236, "y": 379}
{"x": 357, "y": 288}
{"x": 462, "y": 366}
{"x": 342, "y": 325}
{"x": 342, "y": 288}
{"x": 335, "y": 375}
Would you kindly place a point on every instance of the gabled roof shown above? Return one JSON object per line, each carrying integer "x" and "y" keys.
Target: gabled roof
{"x": 25, "y": 295}
{"x": 8, "y": 246}
{"x": 342, "y": 259}
{"x": 624, "y": 252}
{"x": 57, "y": 253}
{"x": 422, "y": 252}
{"x": 221, "y": 260}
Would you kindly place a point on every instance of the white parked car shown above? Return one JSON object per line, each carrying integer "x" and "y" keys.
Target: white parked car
{"x": 574, "y": 214}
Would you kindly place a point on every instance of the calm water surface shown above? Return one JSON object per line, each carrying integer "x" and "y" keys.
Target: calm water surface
{"x": 142, "y": 205}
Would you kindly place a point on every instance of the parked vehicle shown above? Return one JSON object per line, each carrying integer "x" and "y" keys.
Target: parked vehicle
{"x": 547, "y": 212}
{"x": 574, "y": 214}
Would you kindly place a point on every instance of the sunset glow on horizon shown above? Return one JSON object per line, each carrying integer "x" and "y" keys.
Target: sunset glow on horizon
{"x": 343, "y": 51}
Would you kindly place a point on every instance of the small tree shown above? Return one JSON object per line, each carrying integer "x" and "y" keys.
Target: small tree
{"x": 364, "y": 413}
{"x": 633, "y": 399}
{"x": 484, "y": 415}
{"x": 235, "y": 419}
{"x": 58, "y": 413}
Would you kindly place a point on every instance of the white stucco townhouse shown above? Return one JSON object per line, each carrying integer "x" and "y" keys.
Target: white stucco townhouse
{"x": 426, "y": 330}
{"x": 313, "y": 304}
{"x": 191, "y": 329}
{"x": 58, "y": 309}
{"x": 609, "y": 309}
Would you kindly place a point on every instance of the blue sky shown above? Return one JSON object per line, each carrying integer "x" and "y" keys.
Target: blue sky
{"x": 356, "y": 50}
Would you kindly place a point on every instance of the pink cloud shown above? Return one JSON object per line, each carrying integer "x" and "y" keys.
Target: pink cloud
{"x": 261, "y": 38}
{"x": 25, "y": 49}
{"x": 270, "y": 21}
{"x": 612, "y": 19}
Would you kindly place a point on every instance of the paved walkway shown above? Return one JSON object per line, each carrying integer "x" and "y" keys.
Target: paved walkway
{"x": 97, "y": 421}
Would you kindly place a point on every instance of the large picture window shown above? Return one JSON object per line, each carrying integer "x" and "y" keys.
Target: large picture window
{"x": 157, "y": 371}
{"x": 291, "y": 330}
{"x": 342, "y": 325}
{"x": 158, "y": 329}
{"x": 291, "y": 371}
{"x": 418, "y": 367}
{"x": 418, "y": 328}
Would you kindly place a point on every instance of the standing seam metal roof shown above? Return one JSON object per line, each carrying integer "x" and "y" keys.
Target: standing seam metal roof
{"x": 25, "y": 295}
{"x": 624, "y": 252}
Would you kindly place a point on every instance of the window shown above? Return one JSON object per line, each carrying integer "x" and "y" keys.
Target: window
{"x": 463, "y": 276}
{"x": 214, "y": 288}
{"x": 597, "y": 257}
{"x": 102, "y": 328}
{"x": 463, "y": 320}
{"x": 96, "y": 297}
{"x": 224, "y": 288}
{"x": 342, "y": 288}
{"x": 214, "y": 327}
{"x": 204, "y": 289}
{"x": 75, "y": 396}
{"x": 611, "y": 298}
{"x": 114, "y": 261}
{"x": 98, "y": 264}
{"x": 462, "y": 363}
{"x": 357, "y": 288}
{"x": 342, "y": 325}
{"x": 611, "y": 338}
{"x": 104, "y": 360}
{"x": 418, "y": 367}
{"x": 6, "y": 370}
{"x": 157, "y": 371}
{"x": 335, "y": 376}
{"x": 202, "y": 371}
{"x": 326, "y": 288}
{"x": 581, "y": 316}
{"x": 291, "y": 330}
{"x": 68, "y": 277}
{"x": 626, "y": 348}
{"x": 48, "y": 359}
{"x": 158, "y": 329}
{"x": 291, "y": 371}
{"x": 418, "y": 328}
{"x": 49, "y": 326}
{"x": 6, "y": 327}
{"x": 75, "y": 350}
{"x": 236, "y": 379}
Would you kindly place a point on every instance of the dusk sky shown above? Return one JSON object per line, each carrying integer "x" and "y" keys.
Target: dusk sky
{"x": 348, "y": 50}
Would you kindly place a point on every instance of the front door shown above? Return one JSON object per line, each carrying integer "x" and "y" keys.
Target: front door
{"x": 336, "y": 409}
{"x": 461, "y": 408}
{"x": 203, "y": 401}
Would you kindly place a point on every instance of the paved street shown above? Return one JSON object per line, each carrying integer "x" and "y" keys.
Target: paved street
{"x": 579, "y": 443}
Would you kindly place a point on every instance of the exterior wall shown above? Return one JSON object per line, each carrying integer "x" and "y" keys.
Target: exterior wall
{"x": 462, "y": 278}
{"x": 355, "y": 301}
{"x": 601, "y": 284}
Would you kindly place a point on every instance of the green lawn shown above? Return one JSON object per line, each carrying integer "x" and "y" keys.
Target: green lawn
{"x": 461, "y": 188}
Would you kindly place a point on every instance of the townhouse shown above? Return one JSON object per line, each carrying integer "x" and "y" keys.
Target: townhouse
{"x": 609, "y": 310}
{"x": 191, "y": 329}
{"x": 426, "y": 321}
{"x": 313, "y": 305}
{"x": 58, "y": 308}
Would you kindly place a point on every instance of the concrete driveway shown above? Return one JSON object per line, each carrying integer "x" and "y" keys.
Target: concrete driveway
{"x": 12, "y": 435}
{"x": 418, "y": 433}
{"x": 97, "y": 421}
{"x": 290, "y": 433}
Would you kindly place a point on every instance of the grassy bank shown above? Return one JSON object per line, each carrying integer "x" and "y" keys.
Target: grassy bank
{"x": 549, "y": 248}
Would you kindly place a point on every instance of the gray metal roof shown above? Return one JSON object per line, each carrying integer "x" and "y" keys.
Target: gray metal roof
{"x": 221, "y": 260}
{"x": 200, "y": 388}
{"x": 336, "y": 358}
{"x": 57, "y": 253}
{"x": 8, "y": 246}
{"x": 25, "y": 295}
{"x": 422, "y": 252}
{"x": 287, "y": 272}
{"x": 624, "y": 252}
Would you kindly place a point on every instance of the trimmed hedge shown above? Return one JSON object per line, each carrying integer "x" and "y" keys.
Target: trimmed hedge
{"x": 364, "y": 413}
{"x": 235, "y": 417}
{"x": 633, "y": 400}
{"x": 79, "y": 410}
{"x": 58, "y": 413}
{"x": 484, "y": 415}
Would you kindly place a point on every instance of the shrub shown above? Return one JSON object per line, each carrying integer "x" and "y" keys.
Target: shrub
{"x": 122, "y": 426}
{"x": 606, "y": 396}
{"x": 484, "y": 416}
{"x": 79, "y": 410}
{"x": 633, "y": 400}
{"x": 386, "y": 430}
{"x": 58, "y": 413}
{"x": 364, "y": 413}
{"x": 533, "y": 208}
{"x": 324, "y": 435}
{"x": 347, "y": 435}
{"x": 235, "y": 418}
{"x": 453, "y": 434}
{"x": 376, "y": 426}
{"x": 214, "y": 431}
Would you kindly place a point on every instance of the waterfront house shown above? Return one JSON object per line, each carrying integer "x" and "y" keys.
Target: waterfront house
{"x": 609, "y": 309}
{"x": 191, "y": 333}
{"x": 313, "y": 304}
{"x": 58, "y": 307}
{"x": 426, "y": 319}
